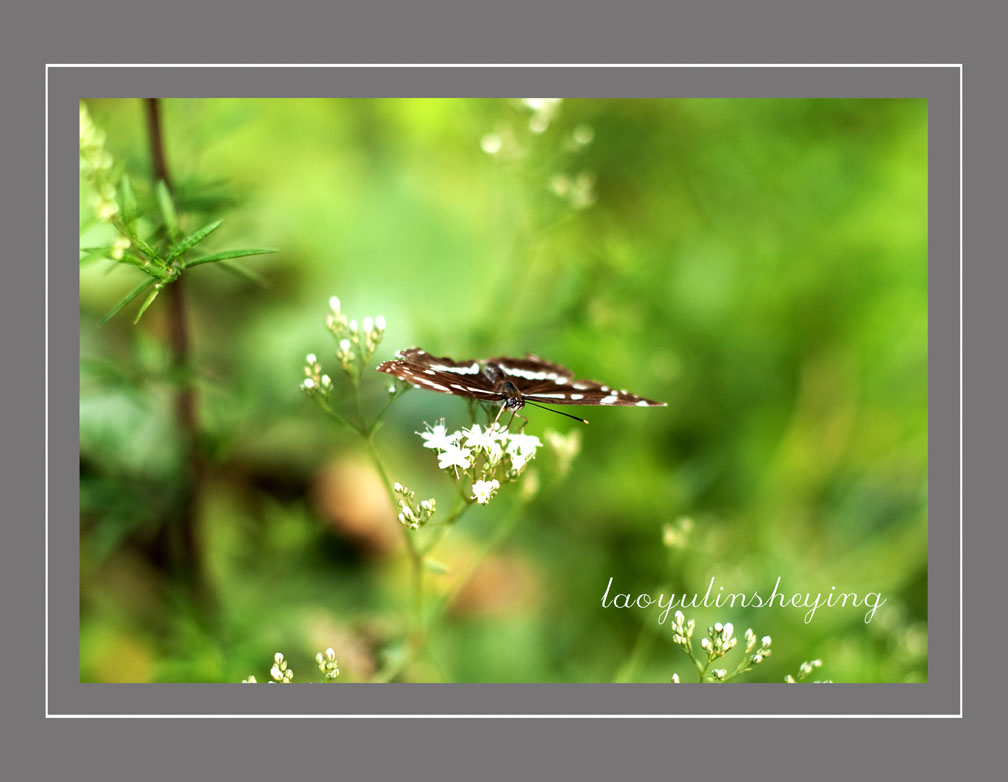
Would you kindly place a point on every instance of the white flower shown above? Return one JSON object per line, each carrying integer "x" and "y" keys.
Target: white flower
{"x": 380, "y": 323}
{"x": 438, "y": 437}
{"x": 485, "y": 440}
{"x": 334, "y": 304}
{"x": 368, "y": 323}
{"x": 525, "y": 444}
{"x": 484, "y": 490}
{"x": 521, "y": 448}
{"x": 453, "y": 456}
{"x": 675, "y": 678}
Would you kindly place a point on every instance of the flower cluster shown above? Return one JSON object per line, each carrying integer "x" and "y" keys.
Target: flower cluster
{"x": 315, "y": 381}
{"x": 95, "y": 168}
{"x": 804, "y": 671}
{"x": 356, "y": 342}
{"x": 281, "y": 673}
{"x": 412, "y": 514}
{"x": 327, "y": 664}
{"x": 720, "y": 640}
{"x": 757, "y": 656}
{"x": 486, "y": 456}
{"x": 683, "y": 632}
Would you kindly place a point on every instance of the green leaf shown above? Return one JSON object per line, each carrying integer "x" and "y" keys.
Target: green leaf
{"x": 144, "y": 265}
{"x": 227, "y": 255}
{"x": 127, "y": 201}
{"x": 145, "y": 248}
{"x": 167, "y": 208}
{"x": 89, "y": 254}
{"x": 147, "y": 302}
{"x": 129, "y": 297}
{"x": 192, "y": 240}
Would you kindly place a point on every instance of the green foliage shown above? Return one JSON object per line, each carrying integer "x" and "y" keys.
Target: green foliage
{"x": 162, "y": 255}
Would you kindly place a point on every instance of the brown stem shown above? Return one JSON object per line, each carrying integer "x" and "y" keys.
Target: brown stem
{"x": 156, "y": 140}
{"x": 188, "y": 560}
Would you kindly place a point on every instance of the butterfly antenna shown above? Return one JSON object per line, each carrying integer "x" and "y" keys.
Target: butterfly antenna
{"x": 556, "y": 411}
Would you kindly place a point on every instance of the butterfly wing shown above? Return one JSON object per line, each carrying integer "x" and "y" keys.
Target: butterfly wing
{"x": 530, "y": 369}
{"x": 539, "y": 380}
{"x": 584, "y": 392}
{"x": 422, "y": 370}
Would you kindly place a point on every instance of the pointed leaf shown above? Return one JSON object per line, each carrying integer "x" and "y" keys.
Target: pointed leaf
{"x": 192, "y": 240}
{"x": 167, "y": 208}
{"x": 129, "y": 297}
{"x": 144, "y": 265}
{"x": 145, "y": 248}
{"x": 147, "y": 302}
{"x": 228, "y": 254}
{"x": 89, "y": 254}
{"x": 127, "y": 201}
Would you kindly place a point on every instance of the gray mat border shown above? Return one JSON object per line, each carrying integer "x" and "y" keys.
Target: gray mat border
{"x": 939, "y": 696}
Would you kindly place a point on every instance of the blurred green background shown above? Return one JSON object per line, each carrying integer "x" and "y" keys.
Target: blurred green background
{"x": 761, "y": 265}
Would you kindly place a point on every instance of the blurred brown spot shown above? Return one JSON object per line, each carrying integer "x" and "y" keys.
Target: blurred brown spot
{"x": 502, "y": 584}
{"x": 351, "y": 498}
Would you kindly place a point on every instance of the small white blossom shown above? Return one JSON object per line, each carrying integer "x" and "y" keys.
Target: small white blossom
{"x": 454, "y": 456}
{"x": 334, "y": 305}
{"x": 484, "y": 490}
{"x": 380, "y": 323}
{"x": 437, "y": 437}
{"x": 675, "y": 678}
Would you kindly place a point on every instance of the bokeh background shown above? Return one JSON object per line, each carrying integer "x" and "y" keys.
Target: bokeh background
{"x": 761, "y": 265}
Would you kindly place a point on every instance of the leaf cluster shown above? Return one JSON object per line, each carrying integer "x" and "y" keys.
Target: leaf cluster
{"x": 165, "y": 254}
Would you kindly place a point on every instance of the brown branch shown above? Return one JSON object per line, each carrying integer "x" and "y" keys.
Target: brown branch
{"x": 187, "y": 561}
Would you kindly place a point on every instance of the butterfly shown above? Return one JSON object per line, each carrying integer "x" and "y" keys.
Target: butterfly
{"x": 513, "y": 381}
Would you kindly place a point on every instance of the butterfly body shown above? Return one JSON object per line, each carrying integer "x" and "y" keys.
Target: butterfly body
{"x": 511, "y": 381}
